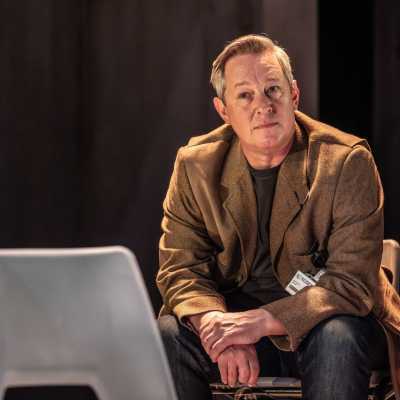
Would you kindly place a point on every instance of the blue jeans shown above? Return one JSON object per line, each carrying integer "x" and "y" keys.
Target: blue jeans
{"x": 334, "y": 361}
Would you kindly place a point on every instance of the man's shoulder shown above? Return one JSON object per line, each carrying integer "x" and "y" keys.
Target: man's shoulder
{"x": 223, "y": 133}
{"x": 319, "y": 132}
{"x": 209, "y": 145}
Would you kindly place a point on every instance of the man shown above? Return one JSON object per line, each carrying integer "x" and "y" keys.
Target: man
{"x": 270, "y": 256}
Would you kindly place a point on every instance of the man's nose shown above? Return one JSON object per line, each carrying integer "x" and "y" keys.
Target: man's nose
{"x": 264, "y": 104}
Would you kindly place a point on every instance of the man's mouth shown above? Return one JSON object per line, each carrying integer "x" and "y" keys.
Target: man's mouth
{"x": 266, "y": 125}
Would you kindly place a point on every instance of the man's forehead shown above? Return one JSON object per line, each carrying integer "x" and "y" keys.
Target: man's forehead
{"x": 243, "y": 66}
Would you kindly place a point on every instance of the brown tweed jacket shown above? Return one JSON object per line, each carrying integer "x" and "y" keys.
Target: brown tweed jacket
{"x": 328, "y": 196}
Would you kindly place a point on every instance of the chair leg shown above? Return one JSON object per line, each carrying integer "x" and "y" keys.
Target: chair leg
{"x": 384, "y": 391}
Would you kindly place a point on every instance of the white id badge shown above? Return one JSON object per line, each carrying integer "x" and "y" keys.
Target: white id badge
{"x": 301, "y": 280}
{"x": 298, "y": 282}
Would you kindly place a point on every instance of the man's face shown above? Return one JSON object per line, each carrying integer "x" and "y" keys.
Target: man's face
{"x": 258, "y": 103}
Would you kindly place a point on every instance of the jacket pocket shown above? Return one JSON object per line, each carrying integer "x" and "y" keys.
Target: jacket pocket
{"x": 303, "y": 263}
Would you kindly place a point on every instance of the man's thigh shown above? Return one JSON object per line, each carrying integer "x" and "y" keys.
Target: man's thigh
{"x": 337, "y": 336}
{"x": 336, "y": 358}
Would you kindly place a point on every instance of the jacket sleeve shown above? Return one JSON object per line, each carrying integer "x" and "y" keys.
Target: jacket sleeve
{"x": 354, "y": 247}
{"x": 186, "y": 252}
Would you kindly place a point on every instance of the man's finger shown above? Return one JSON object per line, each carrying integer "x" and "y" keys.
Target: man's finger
{"x": 232, "y": 373}
{"x": 244, "y": 368}
{"x": 223, "y": 370}
{"x": 254, "y": 369}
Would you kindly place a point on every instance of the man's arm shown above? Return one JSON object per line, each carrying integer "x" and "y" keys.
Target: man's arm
{"x": 354, "y": 247}
{"x": 186, "y": 253}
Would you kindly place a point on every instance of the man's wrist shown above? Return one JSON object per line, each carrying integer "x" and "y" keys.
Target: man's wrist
{"x": 195, "y": 320}
{"x": 272, "y": 325}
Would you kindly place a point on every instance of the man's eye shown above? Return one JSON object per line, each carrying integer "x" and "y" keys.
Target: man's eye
{"x": 273, "y": 92}
{"x": 244, "y": 95}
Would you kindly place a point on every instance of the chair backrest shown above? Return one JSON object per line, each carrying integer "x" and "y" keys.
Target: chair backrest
{"x": 391, "y": 260}
{"x": 80, "y": 317}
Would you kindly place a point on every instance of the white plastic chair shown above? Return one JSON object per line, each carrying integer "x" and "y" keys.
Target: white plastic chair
{"x": 80, "y": 317}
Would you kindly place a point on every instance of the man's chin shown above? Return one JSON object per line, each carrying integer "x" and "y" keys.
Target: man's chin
{"x": 266, "y": 147}
{"x": 266, "y": 133}
{"x": 267, "y": 140}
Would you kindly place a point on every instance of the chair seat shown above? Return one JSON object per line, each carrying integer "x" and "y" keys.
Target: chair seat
{"x": 289, "y": 388}
{"x": 267, "y": 387}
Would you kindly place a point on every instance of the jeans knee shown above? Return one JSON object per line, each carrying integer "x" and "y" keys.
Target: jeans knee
{"x": 341, "y": 334}
{"x": 341, "y": 330}
{"x": 334, "y": 359}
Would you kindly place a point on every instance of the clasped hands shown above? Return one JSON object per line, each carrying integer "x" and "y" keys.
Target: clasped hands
{"x": 229, "y": 338}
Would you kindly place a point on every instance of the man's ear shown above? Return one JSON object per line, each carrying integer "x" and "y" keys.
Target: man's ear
{"x": 295, "y": 94}
{"x": 221, "y": 109}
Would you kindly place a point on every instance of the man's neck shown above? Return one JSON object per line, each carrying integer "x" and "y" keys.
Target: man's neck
{"x": 268, "y": 159}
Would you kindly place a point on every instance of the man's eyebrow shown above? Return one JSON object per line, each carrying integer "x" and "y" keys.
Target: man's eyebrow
{"x": 269, "y": 79}
{"x": 273, "y": 79}
{"x": 242, "y": 83}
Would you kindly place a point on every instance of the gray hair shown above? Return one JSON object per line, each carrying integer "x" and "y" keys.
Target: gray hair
{"x": 249, "y": 44}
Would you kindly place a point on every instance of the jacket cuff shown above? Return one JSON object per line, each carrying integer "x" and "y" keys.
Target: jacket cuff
{"x": 198, "y": 305}
{"x": 301, "y": 312}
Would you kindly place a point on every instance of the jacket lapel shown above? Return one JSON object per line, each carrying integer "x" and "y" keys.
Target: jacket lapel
{"x": 241, "y": 204}
{"x": 291, "y": 191}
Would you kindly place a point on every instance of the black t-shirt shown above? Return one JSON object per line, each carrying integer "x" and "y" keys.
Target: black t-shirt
{"x": 262, "y": 287}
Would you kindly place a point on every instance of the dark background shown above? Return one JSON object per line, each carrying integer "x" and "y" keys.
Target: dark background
{"x": 96, "y": 97}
